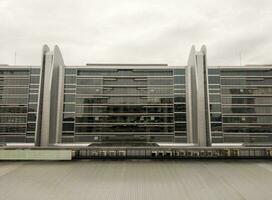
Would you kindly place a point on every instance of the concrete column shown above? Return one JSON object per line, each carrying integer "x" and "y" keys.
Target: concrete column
{"x": 198, "y": 98}
{"x": 48, "y": 116}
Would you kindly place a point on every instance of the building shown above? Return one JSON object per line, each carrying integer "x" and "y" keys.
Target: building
{"x": 135, "y": 103}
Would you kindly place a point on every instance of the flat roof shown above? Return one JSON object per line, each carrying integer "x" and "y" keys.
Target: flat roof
{"x": 136, "y": 179}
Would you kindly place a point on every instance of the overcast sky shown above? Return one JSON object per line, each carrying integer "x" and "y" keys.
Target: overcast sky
{"x": 136, "y": 31}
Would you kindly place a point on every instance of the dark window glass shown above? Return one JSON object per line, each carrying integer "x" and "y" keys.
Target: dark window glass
{"x": 69, "y": 86}
{"x": 125, "y": 128}
{"x": 180, "y": 117}
{"x": 11, "y": 109}
{"x": 215, "y": 98}
{"x": 31, "y": 117}
{"x": 31, "y": 126}
{"x": 68, "y": 117}
{"x": 89, "y": 81}
{"x": 216, "y": 117}
{"x": 180, "y": 126}
{"x": 34, "y": 86}
{"x": 34, "y": 79}
{"x": 12, "y": 119}
{"x": 246, "y": 72}
{"x": 180, "y": 91}
{"x": 70, "y": 71}
{"x": 13, "y": 90}
{"x": 69, "y": 79}
{"x": 179, "y": 71}
{"x": 35, "y": 71}
{"x": 246, "y": 81}
{"x": 32, "y": 108}
{"x": 180, "y": 107}
{"x": 33, "y": 97}
{"x": 216, "y": 126}
{"x": 248, "y": 109}
{"x": 15, "y": 81}
{"x": 15, "y": 100}
{"x": 69, "y": 108}
{"x": 214, "y": 79}
{"x": 12, "y": 129}
{"x": 69, "y": 98}
{"x": 179, "y": 79}
{"x": 213, "y": 71}
{"x": 14, "y": 72}
{"x": 68, "y": 127}
{"x": 215, "y": 108}
{"x": 180, "y": 99}
{"x": 248, "y": 129}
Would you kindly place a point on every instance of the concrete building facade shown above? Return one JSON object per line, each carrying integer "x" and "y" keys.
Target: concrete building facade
{"x": 135, "y": 103}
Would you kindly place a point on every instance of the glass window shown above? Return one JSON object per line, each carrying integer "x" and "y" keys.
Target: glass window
{"x": 35, "y": 71}
{"x": 180, "y": 117}
{"x": 69, "y": 98}
{"x": 215, "y": 98}
{"x": 214, "y": 79}
{"x": 70, "y": 71}
{"x": 34, "y": 79}
{"x": 216, "y": 117}
{"x": 68, "y": 127}
{"x": 13, "y": 109}
{"x": 89, "y": 81}
{"x": 12, "y": 119}
{"x": 14, "y": 72}
{"x": 180, "y": 126}
{"x": 15, "y": 100}
{"x": 33, "y": 97}
{"x": 179, "y": 71}
{"x": 180, "y": 107}
{"x": 215, "y": 108}
{"x": 13, "y": 129}
{"x": 179, "y": 79}
{"x": 31, "y": 126}
{"x": 31, "y": 117}
{"x": 213, "y": 71}
{"x": 68, "y": 117}
{"x": 180, "y": 99}
{"x": 216, "y": 126}
{"x": 32, "y": 108}
{"x": 69, "y": 79}
{"x": 69, "y": 108}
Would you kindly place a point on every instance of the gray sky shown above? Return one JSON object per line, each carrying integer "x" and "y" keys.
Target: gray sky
{"x": 137, "y": 31}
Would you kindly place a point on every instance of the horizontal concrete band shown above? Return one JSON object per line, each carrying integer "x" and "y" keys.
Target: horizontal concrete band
{"x": 27, "y": 154}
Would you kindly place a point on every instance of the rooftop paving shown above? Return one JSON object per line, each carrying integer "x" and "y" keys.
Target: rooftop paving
{"x": 136, "y": 179}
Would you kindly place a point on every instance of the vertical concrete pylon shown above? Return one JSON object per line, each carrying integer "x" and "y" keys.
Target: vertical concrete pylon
{"x": 198, "y": 98}
{"x": 47, "y": 128}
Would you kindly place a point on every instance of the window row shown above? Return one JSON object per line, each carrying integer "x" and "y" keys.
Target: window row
{"x": 125, "y": 100}
{"x": 248, "y": 129}
{"x": 124, "y": 72}
{"x": 125, "y": 128}
{"x": 259, "y": 90}
{"x": 12, "y": 119}
{"x": 247, "y": 100}
{"x": 12, "y": 129}
{"x": 126, "y": 109}
{"x": 126, "y": 91}
{"x": 246, "y": 73}
{"x": 124, "y": 119}
{"x": 247, "y": 109}
{"x": 248, "y": 119}
{"x": 246, "y": 81}
{"x": 14, "y": 81}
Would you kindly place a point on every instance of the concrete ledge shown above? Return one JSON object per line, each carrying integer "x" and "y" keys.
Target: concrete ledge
{"x": 27, "y": 154}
